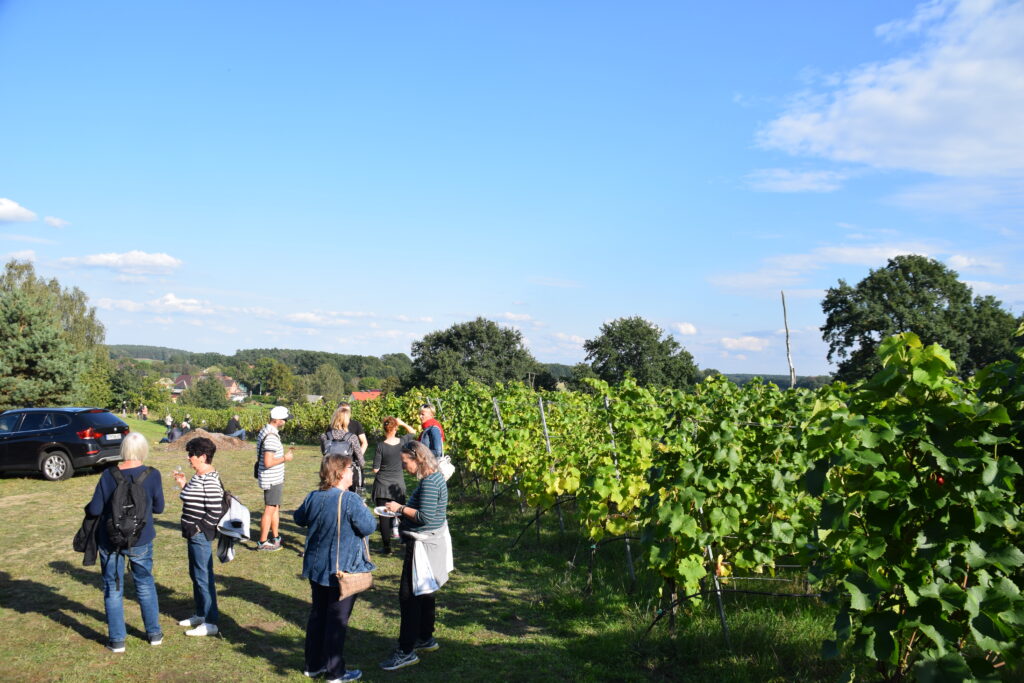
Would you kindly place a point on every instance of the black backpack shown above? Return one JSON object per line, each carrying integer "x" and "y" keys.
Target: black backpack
{"x": 129, "y": 509}
{"x": 338, "y": 446}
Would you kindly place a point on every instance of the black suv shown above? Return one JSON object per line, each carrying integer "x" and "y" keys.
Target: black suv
{"x": 57, "y": 441}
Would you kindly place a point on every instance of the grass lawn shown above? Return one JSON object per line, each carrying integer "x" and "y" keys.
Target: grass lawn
{"x": 507, "y": 613}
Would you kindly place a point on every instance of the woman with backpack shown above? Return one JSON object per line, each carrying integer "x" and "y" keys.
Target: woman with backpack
{"x": 338, "y": 523}
{"x": 339, "y": 441}
{"x": 126, "y": 533}
{"x": 202, "y": 501}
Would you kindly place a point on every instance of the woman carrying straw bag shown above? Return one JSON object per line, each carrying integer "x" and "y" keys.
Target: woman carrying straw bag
{"x": 338, "y": 523}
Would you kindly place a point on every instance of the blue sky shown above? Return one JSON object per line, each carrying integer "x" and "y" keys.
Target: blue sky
{"x": 348, "y": 176}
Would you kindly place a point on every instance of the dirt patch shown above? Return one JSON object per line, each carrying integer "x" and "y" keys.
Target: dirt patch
{"x": 222, "y": 442}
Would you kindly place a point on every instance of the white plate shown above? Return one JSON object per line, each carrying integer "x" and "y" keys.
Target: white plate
{"x": 113, "y": 437}
{"x": 382, "y": 511}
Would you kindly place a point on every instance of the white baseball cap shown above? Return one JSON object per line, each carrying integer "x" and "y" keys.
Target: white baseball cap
{"x": 279, "y": 413}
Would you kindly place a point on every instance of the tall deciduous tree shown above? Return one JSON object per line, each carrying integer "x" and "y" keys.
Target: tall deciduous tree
{"x": 634, "y": 347}
{"x": 272, "y": 376}
{"x": 913, "y": 294}
{"x": 327, "y": 381}
{"x": 206, "y": 393}
{"x": 478, "y": 350}
{"x": 37, "y": 366}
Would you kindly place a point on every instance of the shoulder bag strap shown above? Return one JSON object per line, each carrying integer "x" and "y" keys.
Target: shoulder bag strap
{"x": 337, "y": 554}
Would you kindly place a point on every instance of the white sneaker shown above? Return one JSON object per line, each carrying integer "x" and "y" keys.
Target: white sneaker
{"x": 192, "y": 621}
{"x": 203, "y": 629}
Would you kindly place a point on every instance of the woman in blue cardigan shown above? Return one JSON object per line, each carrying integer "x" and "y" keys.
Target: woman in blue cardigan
{"x": 327, "y": 550}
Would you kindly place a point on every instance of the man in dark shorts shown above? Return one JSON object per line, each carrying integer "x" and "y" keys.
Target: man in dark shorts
{"x": 271, "y": 456}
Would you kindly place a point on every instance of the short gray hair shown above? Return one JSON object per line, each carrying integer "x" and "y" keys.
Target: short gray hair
{"x": 134, "y": 447}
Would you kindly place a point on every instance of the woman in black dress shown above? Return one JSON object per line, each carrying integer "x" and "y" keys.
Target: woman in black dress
{"x": 389, "y": 479}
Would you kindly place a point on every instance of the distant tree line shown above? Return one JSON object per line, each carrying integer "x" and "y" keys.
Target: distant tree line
{"x": 52, "y": 351}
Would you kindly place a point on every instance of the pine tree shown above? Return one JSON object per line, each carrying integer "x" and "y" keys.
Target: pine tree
{"x": 37, "y": 365}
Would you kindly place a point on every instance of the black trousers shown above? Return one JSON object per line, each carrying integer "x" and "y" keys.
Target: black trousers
{"x": 326, "y": 629}
{"x": 386, "y": 524}
{"x": 418, "y": 611}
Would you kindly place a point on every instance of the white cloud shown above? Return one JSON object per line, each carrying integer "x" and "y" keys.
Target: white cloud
{"x": 120, "y": 305}
{"x": 924, "y": 14}
{"x": 788, "y": 271}
{"x": 745, "y": 343}
{"x": 785, "y": 180}
{"x": 521, "y": 317}
{"x": 953, "y": 106}
{"x": 23, "y": 255}
{"x": 134, "y": 262}
{"x": 570, "y": 338}
{"x": 1012, "y": 294}
{"x": 169, "y": 303}
{"x": 56, "y": 222}
{"x": 318, "y": 318}
{"x": 12, "y": 211}
{"x": 685, "y": 328}
{"x": 411, "y": 319}
{"x": 972, "y": 263}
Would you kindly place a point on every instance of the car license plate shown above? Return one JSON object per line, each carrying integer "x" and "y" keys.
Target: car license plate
{"x": 113, "y": 437}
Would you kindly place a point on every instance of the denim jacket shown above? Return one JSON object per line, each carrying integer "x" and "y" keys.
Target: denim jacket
{"x": 319, "y": 512}
{"x": 431, "y": 438}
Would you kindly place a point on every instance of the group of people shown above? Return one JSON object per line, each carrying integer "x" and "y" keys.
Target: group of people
{"x": 201, "y": 498}
{"x": 338, "y": 524}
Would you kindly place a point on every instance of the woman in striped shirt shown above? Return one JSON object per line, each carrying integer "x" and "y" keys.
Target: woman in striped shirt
{"x": 423, "y": 526}
{"x": 201, "y": 498}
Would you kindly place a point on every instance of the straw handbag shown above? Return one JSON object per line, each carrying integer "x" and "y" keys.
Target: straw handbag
{"x": 351, "y": 583}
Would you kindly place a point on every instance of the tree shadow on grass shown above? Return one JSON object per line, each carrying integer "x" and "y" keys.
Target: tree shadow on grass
{"x": 32, "y": 597}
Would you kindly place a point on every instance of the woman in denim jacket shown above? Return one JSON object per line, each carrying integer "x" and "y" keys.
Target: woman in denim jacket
{"x": 324, "y": 553}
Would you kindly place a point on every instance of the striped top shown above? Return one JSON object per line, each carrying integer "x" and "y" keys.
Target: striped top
{"x": 201, "y": 501}
{"x": 430, "y": 500}
{"x": 269, "y": 440}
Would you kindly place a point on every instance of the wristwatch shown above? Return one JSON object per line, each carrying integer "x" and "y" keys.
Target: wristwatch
{"x": 401, "y": 510}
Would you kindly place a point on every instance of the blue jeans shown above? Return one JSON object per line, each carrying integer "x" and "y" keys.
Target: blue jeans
{"x": 240, "y": 434}
{"x": 112, "y": 565}
{"x": 200, "y": 569}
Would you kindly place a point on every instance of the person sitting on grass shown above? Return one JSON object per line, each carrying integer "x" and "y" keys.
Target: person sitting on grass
{"x": 234, "y": 428}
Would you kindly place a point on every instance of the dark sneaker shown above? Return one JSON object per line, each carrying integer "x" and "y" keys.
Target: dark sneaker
{"x": 428, "y": 645}
{"x": 315, "y": 674}
{"x": 156, "y": 640}
{"x": 399, "y": 660}
{"x": 350, "y": 675}
{"x": 115, "y": 647}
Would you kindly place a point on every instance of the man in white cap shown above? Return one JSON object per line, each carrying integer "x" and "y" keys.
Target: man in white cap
{"x": 270, "y": 460}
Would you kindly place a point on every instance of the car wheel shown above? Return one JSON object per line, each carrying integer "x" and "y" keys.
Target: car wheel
{"x": 57, "y": 466}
